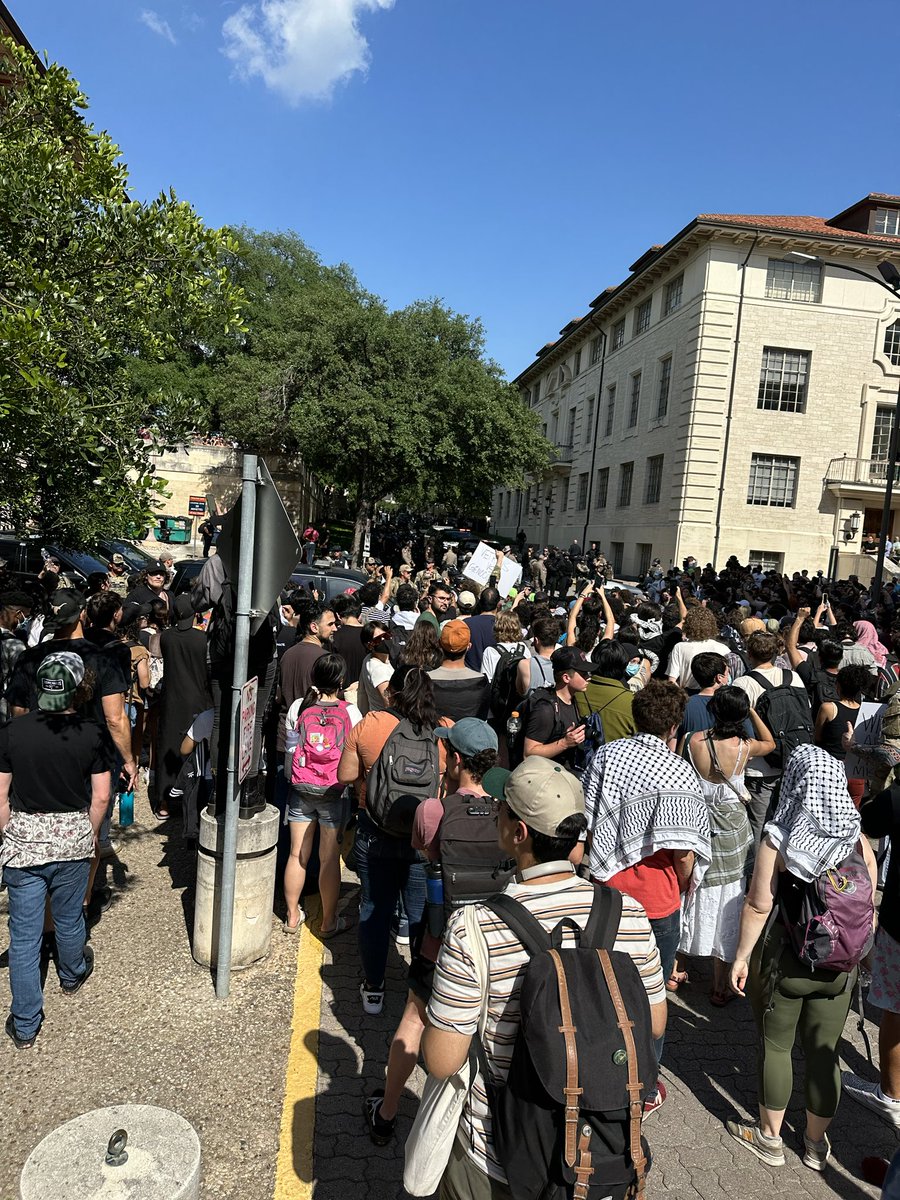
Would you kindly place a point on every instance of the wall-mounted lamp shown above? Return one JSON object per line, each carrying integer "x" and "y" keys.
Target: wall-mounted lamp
{"x": 851, "y": 527}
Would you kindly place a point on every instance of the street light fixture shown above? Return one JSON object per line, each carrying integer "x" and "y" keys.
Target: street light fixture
{"x": 890, "y": 281}
{"x": 852, "y": 527}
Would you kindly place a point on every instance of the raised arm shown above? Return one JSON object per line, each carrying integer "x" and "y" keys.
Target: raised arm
{"x": 793, "y": 637}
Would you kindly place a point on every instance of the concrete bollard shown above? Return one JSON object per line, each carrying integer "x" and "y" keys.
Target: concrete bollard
{"x": 160, "y": 1158}
{"x": 254, "y": 887}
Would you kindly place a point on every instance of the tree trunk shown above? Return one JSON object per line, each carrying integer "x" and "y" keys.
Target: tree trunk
{"x": 361, "y": 525}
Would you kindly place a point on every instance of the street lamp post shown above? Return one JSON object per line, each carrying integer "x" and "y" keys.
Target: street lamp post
{"x": 890, "y": 281}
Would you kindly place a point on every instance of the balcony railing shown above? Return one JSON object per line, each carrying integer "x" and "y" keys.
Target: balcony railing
{"x": 871, "y": 471}
{"x": 564, "y": 454}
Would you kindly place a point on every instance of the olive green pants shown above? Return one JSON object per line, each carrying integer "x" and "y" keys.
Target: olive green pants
{"x": 788, "y": 998}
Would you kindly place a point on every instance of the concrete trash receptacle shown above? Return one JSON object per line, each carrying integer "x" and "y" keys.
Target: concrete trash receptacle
{"x": 254, "y": 888}
{"x": 161, "y": 1159}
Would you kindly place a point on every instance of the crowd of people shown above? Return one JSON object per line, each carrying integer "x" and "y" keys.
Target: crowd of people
{"x": 663, "y": 775}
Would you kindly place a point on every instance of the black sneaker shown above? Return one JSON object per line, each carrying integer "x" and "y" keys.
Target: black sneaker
{"x": 380, "y": 1131}
{"x": 69, "y": 989}
{"x": 19, "y": 1042}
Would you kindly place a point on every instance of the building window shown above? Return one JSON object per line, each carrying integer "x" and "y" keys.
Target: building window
{"x": 577, "y": 370}
{"x": 508, "y": 504}
{"x": 610, "y": 409}
{"x": 581, "y": 504}
{"x": 794, "y": 281}
{"x": 564, "y": 496}
{"x": 662, "y": 396}
{"x": 618, "y": 334}
{"x": 642, "y": 316}
{"x": 767, "y": 560}
{"x": 596, "y": 350}
{"x": 881, "y": 435}
{"x": 602, "y": 488}
{"x": 773, "y": 480}
{"x": 589, "y": 420}
{"x": 887, "y": 220}
{"x": 536, "y": 392}
{"x": 618, "y": 555}
{"x": 644, "y": 552}
{"x": 527, "y": 503}
{"x": 626, "y": 475}
{"x": 892, "y": 343}
{"x": 570, "y": 432}
{"x": 782, "y": 380}
{"x": 635, "y": 400}
{"x": 674, "y": 291}
{"x": 653, "y": 485}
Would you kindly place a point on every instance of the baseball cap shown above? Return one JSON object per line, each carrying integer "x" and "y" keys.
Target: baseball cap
{"x": 542, "y": 794}
{"x": 117, "y": 560}
{"x": 58, "y": 677}
{"x": 456, "y": 637}
{"x": 405, "y": 567}
{"x": 570, "y": 658}
{"x": 66, "y": 606}
{"x": 184, "y": 611}
{"x": 469, "y": 736}
{"x": 494, "y": 781}
{"x": 157, "y": 568}
{"x": 467, "y": 599}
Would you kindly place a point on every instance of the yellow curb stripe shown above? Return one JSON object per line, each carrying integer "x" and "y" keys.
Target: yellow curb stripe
{"x": 294, "y": 1165}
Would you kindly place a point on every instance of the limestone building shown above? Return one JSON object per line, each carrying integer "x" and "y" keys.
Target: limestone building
{"x": 733, "y": 395}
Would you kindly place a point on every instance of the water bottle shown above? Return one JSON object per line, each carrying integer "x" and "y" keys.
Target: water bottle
{"x": 291, "y": 742}
{"x": 434, "y": 898}
{"x": 126, "y": 808}
{"x": 513, "y": 726}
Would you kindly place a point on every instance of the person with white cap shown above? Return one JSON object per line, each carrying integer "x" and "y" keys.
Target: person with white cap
{"x": 540, "y": 819}
{"x": 55, "y": 765}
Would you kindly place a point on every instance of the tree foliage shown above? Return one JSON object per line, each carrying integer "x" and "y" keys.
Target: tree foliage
{"x": 95, "y": 288}
{"x": 378, "y": 403}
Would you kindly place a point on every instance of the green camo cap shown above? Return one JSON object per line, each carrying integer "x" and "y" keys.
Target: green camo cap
{"x": 58, "y": 677}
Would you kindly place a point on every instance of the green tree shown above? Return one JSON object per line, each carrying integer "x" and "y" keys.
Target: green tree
{"x": 93, "y": 286}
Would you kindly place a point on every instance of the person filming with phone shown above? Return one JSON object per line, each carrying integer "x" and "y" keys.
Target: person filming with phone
{"x": 552, "y": 726}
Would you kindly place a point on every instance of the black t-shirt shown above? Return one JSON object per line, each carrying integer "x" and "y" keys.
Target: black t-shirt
{"x": 109, "y": 679}
{"x": 821, "y": 685}
{"x": 347, "y": 642}
{"x": 881, "y": 818}
{"x": 110, "y": 643}
{"x": 662, "y": 646}
{"x": 51, "y": 757}
{"x": 284, "y": 639}
{"x": 547, "y": 720}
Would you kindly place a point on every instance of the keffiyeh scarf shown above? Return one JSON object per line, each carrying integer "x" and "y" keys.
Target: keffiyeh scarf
{"x": 641, "y": 798}
{"x": 816, "y": 824}
{"x": 647, "y": 629}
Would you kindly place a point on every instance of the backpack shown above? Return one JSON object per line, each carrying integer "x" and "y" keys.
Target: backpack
{"x": 886, "y": 678}
{"x": 784, "y": 710}
{"x": 504, "y": 697}
{"x": 322, "y": 730}
{"x": 527, "y": 705}
{"x": 822, "y": 685}
{"x": 594, "y": 738}
{"x": 406, "y": 772}
{"x": 472, "y": 867}
{"x": 567, "y": 1123}
{"x": 834, "y": 929}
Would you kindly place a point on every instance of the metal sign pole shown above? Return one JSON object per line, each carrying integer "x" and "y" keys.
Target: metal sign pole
{"x": 249, "y": 476}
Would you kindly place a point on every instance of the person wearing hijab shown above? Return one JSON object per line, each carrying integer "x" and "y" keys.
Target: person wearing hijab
{"x": 868, "y": 639}
{"x": 815, "y": 827}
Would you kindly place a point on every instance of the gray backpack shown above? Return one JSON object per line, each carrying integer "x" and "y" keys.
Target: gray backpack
{"x": 405, "y": 773}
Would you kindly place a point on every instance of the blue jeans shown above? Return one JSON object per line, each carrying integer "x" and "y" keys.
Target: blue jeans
{"x": 667, "y": 931}
{"x": 388, "y": 868}
{"x": 28, "y": 888}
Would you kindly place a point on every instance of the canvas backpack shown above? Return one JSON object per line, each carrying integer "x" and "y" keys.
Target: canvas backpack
{"x": 504, "y": 697}
{"x": 406, "y": 772}
{"x": 567, "y": 1123}
{"x": 784, "y": 710}
{"x": 322, "y": 730}
{"x": 472, "y": 866}
{"x": 834, "y": 929}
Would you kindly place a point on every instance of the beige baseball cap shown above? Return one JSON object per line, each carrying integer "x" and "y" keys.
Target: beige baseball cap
{"x": 542, "y": 794}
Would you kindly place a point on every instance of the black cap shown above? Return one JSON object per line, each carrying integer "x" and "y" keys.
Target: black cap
{"x": 570, "y": 658}
{"x": 66, "y": 606}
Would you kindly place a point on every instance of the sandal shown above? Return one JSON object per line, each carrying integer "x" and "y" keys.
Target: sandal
{"x": 340, "y": 926}
{"x": 294, "y": 928}
{"x": 676, "y": 979}
{"x": 720, "y": 999}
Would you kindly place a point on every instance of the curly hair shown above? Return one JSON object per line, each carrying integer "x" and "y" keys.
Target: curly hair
{"x": 507, "y": 627}
{"x": 700, "y": 625}
{"x": 479, "y": 764}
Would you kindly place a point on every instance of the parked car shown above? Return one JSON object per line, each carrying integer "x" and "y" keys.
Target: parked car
{"x": 26, "y": 555}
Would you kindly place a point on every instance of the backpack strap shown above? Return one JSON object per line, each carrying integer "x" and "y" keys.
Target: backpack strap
{"x": 764, "y": 683}
{"x": 603, "y": 921}
{"x": 635, "y": 1087}
{"x": 523, "y": 924}
{"x": 571, "y": 1090}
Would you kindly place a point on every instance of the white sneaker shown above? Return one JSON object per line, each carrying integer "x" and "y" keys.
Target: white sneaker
{"x": 816, "y": 1154}
{"x": 867, "y": 1093}
{"x": 372, "y": 999}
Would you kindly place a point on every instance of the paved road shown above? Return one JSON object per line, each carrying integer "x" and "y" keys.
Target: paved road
{"x": 273, "y": 1079}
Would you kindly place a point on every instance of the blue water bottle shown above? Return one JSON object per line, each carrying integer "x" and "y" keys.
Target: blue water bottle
{"x": 126, "y": 808}
{"x": 434, "y": 898}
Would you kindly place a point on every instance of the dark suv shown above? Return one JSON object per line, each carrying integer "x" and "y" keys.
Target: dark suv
{"x": 330, "y": 581}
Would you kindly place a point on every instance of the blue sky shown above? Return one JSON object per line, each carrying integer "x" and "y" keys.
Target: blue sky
{"x": 511, "y": 156}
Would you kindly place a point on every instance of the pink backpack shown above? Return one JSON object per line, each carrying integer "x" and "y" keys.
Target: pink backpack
{"x": 322, "y": 730}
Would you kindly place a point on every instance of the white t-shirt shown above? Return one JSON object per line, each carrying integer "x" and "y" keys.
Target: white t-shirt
{"x": 373, "y": 673}
{"x": 682, "y": 655}
{"x": 759, "y": 766}
{"x": 492, "y": 656}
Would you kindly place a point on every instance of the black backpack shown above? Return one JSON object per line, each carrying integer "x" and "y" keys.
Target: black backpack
{"x": 504, "y": 697}
{"x": 821, "y": 686}
{"x": 784, "y": 710}
{"x": 567, "y": 1123}
{"x": 527, "y": 705}
{"x": 406, "y": 772}
{"x": 472, "y": 866}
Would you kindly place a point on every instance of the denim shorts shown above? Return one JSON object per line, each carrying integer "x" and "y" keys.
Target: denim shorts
{"x": 330, "y": 809}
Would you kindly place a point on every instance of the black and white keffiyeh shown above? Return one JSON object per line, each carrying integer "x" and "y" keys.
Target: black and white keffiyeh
{"x": 816, "y": 824}
{"x": 641, "y": 798}
{"x": 647, "y": 629}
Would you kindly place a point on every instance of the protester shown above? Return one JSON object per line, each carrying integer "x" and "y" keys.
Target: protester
{"x": 552, "y": 728}
{"x": 15, "y": 607}
{"x": 701, "y": 636}
{"x": 481, "y": 627}
{"x": 347, "y": 640}
{"x": 606, "y": 694}
{"x": 376, "y": 671}
{"x": 508, "y": 636}
{"x": 458, "y": 691}
{"x": 153, "y": 584}
{"x": 185, "y": 695}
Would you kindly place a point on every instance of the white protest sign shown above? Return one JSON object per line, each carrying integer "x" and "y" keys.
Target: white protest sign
{"x": 510, "y": 574}
{"x": 482, "y": 564}
{"x": 866, "y": 732}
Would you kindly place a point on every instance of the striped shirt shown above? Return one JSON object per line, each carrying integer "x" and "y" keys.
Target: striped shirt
{"x": 456, "y": 999}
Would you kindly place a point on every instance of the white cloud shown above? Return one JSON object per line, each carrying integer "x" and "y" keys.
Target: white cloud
{"x": 156, "y": 23}
{"x": 300, "y": 48}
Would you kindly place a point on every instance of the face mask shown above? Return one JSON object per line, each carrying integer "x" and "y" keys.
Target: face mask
{"x": 632, "y": 669}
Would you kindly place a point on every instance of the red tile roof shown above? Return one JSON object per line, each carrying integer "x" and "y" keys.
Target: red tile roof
{"x": 812, "y": 225}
